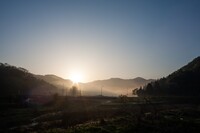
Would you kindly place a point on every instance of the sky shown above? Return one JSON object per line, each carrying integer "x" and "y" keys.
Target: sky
{"x": 100, "y": 39}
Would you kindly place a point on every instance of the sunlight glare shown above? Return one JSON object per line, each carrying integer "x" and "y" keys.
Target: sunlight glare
{"x": 76, "y": 77}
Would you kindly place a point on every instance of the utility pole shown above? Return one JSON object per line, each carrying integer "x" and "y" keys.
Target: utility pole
{"x": 63, "y": 90}
{"x": 80, "y": 91}
{"x": 101, "y": 90}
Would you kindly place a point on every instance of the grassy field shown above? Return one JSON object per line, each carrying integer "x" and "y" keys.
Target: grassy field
{"x": 104, "y": 115}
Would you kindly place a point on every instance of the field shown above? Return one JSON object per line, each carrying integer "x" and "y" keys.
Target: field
{"x": 104, "y": 115}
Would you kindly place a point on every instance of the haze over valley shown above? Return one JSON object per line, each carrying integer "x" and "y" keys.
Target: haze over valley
{"x": 103, "y": 66}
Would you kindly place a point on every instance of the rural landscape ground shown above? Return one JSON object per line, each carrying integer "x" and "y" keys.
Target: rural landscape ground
{"x": 167, "y": 105}
{"x": 99, "y": 66}
{"x": 104, "y": 115}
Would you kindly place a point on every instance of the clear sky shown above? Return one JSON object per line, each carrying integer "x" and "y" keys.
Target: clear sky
{"x": 100, "y": 38}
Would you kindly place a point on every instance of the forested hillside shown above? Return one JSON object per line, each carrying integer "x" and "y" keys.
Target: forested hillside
{"x": 183, "y": 82}
{"x": 18, "y": 81}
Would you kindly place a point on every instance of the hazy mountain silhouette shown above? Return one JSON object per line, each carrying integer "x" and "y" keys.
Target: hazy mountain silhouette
{"x": 110, "y": 87}
{"x": 114, "y": 86}
{"x": 15, "y": 81}
{"x": 183, "y": 82}
{"x": 56, "y": 81}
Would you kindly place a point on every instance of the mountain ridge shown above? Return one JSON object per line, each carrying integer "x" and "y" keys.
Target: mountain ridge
{"x": 39, "y": 84}
{"x": 92, "y": 88}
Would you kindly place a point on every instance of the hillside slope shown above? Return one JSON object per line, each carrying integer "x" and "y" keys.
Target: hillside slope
{"x": 183, "y": 82}
{"x": 56, "y": 81}
{"x": 18, "y": 81}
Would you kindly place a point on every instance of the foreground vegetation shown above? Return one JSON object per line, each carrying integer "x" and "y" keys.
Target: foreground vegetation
{"x": 104, "y": 115}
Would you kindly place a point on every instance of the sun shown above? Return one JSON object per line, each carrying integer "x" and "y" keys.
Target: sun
{"x": 76, "y": 77}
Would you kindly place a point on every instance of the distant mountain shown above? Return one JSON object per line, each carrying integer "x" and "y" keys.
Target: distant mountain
{"x": 56, "y": 81}
{"x": 183, "y": 82}
{"x": 114, "y": 86}
{"x": 18, "y": 81}
{"x": 110, "y": 87}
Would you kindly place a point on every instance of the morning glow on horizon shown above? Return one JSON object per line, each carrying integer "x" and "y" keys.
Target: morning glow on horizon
{"x": 90, "y": 40}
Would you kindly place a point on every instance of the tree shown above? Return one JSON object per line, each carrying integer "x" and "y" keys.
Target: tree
{"x": 134, "y": 92}
{"x": 140, "y": 92}
{"x": 149, "y": 89}
{"x": 74, "y": 91}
